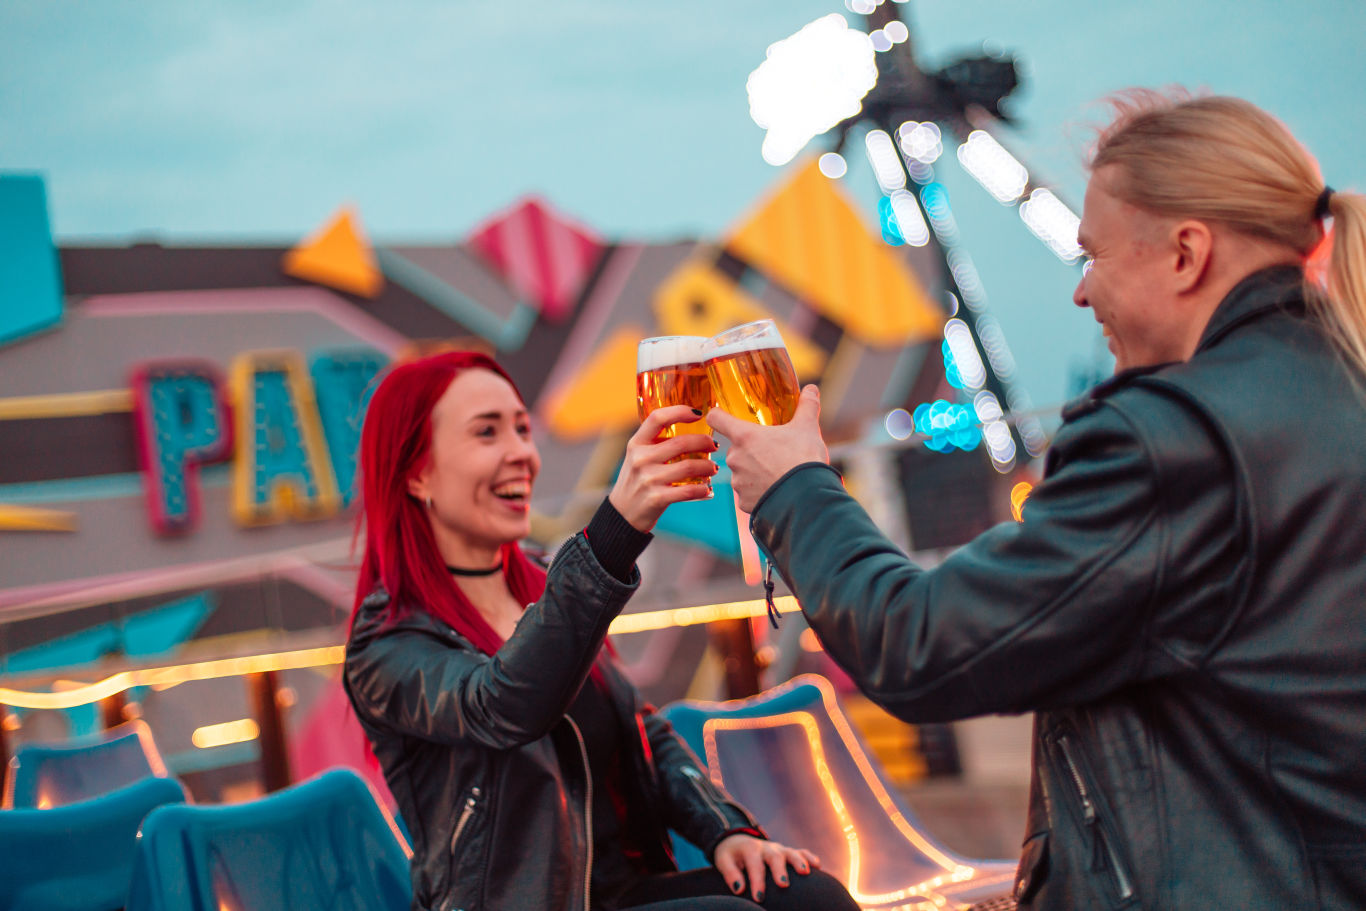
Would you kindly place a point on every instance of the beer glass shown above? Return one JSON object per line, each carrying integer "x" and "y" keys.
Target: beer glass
{"x": 670, "y": 371}
{"x": 751, "y": 373}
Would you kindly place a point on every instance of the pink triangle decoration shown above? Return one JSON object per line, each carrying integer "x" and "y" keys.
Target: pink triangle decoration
{"x": 543, "y": 255}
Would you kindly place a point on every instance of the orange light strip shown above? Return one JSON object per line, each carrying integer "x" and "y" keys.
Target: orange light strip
{"x": 66, "y": 404}
{"x": 706, "y": 613}
{"x": 954, "y": 872}
{"x": 163, "y": 677}
{"x": 173, "y": 674}
{"x": 217, "y": 735}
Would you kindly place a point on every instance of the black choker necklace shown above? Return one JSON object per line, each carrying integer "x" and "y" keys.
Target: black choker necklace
{"x": 457, "y": 571}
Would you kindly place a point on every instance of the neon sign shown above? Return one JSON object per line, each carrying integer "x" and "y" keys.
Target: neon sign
{"x": 291, "y": 428}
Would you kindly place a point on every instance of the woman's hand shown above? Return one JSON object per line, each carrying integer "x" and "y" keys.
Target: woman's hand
{"x": 739, "y": 857}
{"x": 645, "y": 486}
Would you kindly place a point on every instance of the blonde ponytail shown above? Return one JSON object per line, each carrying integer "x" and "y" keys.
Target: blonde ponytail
{"x": 1343, "y": 307}
{"x": 1226, "y": 160}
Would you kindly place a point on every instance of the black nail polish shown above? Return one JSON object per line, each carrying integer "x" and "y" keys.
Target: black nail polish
{"x": 736, "y": 886}
{"x": 697, "y": 412}
{"x": 759, "y": 897}
{"x": 782, "y": 880}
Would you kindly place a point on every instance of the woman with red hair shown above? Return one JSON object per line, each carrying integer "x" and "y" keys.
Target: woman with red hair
{"x": 528, "y": 772}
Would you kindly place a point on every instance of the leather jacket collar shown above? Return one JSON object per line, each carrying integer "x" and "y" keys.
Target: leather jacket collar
{"x": 1279, "y": 287}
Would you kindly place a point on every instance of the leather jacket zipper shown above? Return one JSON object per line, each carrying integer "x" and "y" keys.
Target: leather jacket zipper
{"x": 695, "y": 777}
{"x": 1092, "y": 818}
{"x": 587, "y": 811}
{"x": 471, "y": 803}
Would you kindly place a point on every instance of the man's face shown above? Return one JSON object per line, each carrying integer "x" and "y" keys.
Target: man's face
{"x": 1128, "y": 282}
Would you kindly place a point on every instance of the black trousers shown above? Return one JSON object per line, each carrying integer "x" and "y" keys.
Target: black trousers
{"x": 706, "y": 890}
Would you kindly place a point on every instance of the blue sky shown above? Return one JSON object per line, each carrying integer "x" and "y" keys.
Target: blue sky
{"x": 253, "y": 120}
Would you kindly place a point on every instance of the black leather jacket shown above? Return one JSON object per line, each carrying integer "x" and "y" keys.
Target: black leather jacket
{"x": 1182, "y": 605}
{"x": 491, "y": 776}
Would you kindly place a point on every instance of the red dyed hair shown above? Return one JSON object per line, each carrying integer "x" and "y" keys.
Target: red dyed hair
{"x": 400, "y": 550}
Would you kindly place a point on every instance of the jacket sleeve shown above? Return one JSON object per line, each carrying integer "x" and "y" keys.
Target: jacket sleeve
{"x": 418, "y": 684}
{"x": 1037, "y": 614}
{"x": 694, "y": 806}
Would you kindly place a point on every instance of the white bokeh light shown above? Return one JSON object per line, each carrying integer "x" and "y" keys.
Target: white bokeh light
{"x": 833, "y": 165}
{"x": 1053, "y": 223}
{"x": 993, "y": 167}
{"x": 808, "y": 83}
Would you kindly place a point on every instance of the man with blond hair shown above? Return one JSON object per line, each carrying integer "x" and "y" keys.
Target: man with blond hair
{"x": 1181, "y": 605}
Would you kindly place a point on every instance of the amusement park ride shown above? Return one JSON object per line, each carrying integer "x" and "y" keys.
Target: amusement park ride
{"x": 184, "y": 419}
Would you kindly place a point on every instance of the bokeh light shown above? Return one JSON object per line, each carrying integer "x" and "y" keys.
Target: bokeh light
{"x": 833, "y": 165}
{"x": 808, "y": 83}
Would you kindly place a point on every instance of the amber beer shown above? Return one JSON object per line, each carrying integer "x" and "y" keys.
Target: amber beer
{"x": 751, "y": 373}
{"x": 670, "y": 370}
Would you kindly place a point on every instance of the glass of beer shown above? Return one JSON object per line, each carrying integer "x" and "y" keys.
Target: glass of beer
{"x": 751, "y": 373}
{"x": 670, "y": 370}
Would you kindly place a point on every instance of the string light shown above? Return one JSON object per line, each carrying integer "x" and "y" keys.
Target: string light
{"x": 1053, "y": 223}
{"x": 993, "y": 167}
{"x": 217, "y": 735}
{"x": 882, "y": 155}
{"x": 809, "y": 82}
{"x": 160, "y": 678}
{"x": 833, "y": 165}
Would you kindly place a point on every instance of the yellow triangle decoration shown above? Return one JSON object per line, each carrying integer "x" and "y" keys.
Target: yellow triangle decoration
{"x": 698, "y": 300}
{"x": 339, "y": 256}
{"x": 31, "y": 518}
{"x": 809, "y": 237}
{"x": 602, "y": 396}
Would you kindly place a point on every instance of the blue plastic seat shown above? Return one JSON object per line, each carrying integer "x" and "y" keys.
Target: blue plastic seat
{"x": 323, "y": 845}
{"x": 77, "y": 857}
{"x": 43, "y": 775}
{"x": 791, "y": 756}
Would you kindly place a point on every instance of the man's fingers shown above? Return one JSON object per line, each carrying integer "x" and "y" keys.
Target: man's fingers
{"x": 724, "y": 422}
{"x": 809, "y": 405}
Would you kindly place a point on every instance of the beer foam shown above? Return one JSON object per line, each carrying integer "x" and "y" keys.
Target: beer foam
{"x": 671, "y": 351}
{"x": 750, "y": 337}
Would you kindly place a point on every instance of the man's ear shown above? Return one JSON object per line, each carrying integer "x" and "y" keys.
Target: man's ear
{"x": 1192, "y": 242}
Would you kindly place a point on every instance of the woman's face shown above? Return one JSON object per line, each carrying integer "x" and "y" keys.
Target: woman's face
{"x": 481, "y": 465}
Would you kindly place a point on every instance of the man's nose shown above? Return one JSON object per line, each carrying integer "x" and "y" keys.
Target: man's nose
{"x": 1079, "y": 293}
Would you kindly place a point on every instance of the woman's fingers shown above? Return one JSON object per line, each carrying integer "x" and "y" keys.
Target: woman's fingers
{"x": 730, "y": 871}
{"x": 682, "y": 470}
{"x": 778, "y": 857}
{"x": 657, "y": 420}
{"x": 814, "y": 862}
{"x": 754, "y": 868}
{"x": 680, "y": 445}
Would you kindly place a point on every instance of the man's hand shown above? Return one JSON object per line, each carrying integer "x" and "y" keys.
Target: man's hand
{"x": 759, "y": 456}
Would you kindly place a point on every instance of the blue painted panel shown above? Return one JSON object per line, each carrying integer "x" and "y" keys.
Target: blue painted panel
{"x": 143, "y": 635}
{"x": 343, "y": 382}
{"x": 710, "y": 523}
{"x": 30, "y": 277}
